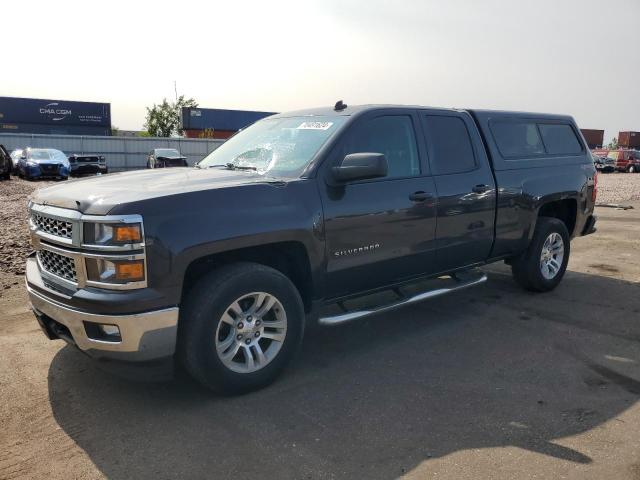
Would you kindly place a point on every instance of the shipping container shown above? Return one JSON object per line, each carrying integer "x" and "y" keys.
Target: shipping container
{"x": 217, "y": 119}
{"x": 209, "y": 133}
{"x": 629, "y": 139}
{"x": 594, "y": 138}
{"x": 33, "y": 115}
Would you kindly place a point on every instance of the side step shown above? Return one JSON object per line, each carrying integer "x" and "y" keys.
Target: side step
{"x": 408, "y": 295}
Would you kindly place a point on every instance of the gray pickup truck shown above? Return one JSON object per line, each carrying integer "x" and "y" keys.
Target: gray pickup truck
{"x": 317, "y": 216}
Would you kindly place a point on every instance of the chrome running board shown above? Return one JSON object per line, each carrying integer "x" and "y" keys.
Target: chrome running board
{"x": 459, "y": 282}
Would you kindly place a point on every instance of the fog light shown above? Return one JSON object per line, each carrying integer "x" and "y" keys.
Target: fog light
{"x": 110, "y": 330}
{"x": 102, "y": 332}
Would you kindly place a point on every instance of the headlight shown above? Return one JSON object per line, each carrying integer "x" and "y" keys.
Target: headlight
{"x": 31, "y": 164}
{"x": 114, "y": 271}
{"x": 110, "y": 234}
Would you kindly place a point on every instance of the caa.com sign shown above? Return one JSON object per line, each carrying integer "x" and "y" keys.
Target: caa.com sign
{"x": 54, "y": 112}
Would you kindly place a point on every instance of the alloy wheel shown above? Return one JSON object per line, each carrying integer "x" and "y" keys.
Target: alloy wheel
{"x": 251, "y": 332}
{"x": 551, "y": 256}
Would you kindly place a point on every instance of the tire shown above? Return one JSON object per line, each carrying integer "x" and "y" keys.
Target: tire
{"x": 203, "y": 333}
{"x": 528, "y": 269}
{"x": 632, "y": 169}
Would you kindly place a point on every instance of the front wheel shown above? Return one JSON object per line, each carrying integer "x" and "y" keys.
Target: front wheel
{"x": 544, "y": 263}
{"x": 632, "y": 169}
{"x": 240, "y": 326}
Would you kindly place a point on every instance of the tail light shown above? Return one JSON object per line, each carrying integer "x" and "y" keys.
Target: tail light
{"x": 594, "y": 193}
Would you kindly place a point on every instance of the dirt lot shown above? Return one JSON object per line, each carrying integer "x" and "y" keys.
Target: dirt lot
{"x": 491, "y": 382}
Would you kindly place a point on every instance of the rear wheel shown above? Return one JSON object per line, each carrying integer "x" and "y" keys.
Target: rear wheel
{"x": 544, "y": 263}
{"x": 240, "y": 326}
{"x": 632, "y": 169}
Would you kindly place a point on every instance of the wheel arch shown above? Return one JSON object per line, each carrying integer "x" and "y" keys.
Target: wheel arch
{"x": 288, "y": 257}
{"x": 565, "y": 210}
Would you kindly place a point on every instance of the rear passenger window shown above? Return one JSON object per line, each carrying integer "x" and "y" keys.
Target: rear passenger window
{"x": 517, "y": 139}
{"x": 450, "y": 150}
{"x": 559, "y": 139}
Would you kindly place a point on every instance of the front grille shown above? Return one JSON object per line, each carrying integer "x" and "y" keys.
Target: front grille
{"x": 59, "y": 265}
{"x": 52, "y": 226}
{"x": 49, "y": 169}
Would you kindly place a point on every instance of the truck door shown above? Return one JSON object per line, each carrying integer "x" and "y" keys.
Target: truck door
{"x": 382, "y": 230}
{"x": 465, "y": 187}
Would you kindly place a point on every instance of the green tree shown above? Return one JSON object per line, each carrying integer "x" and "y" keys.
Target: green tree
{"x": 164, "y": 120}
{"x": 613, "y": 144}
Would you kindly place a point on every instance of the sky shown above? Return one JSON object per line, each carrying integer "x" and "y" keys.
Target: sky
{"x": 577, "y": 57}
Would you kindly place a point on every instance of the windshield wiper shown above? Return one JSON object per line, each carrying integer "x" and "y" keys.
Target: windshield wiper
{"x": 233, "y": 166}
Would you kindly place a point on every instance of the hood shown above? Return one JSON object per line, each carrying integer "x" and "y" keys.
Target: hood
{"x": 98, "y": 195}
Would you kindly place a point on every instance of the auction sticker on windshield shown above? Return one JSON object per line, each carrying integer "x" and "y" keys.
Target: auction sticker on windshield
{"x": 315, "y": 125}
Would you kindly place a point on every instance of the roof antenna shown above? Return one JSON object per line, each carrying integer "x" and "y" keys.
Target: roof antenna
{"x": 339, "y": 106}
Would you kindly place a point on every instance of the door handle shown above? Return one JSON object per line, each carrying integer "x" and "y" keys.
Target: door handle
{"x": 419, "y": 196}
{"x": 480, "y": 188}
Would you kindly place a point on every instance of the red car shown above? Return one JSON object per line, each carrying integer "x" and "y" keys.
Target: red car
{"x": 626, "y": 160}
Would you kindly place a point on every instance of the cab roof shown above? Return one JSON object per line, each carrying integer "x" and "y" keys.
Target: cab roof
{"x": 358, "y": 109}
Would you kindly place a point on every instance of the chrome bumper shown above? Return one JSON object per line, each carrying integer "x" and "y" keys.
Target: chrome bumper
{"x": 144, "y": 336}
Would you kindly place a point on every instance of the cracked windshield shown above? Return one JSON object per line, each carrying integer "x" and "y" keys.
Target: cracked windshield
{"x": 279, "y": 147}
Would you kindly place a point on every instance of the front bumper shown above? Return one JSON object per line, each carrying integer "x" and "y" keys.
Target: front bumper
{"x": 144, "y": 336}
{"x": 87, "y": 168}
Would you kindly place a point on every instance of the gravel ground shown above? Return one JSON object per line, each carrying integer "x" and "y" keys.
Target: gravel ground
{"x": 618, "y": 187}
{"x": 14, "y": 238}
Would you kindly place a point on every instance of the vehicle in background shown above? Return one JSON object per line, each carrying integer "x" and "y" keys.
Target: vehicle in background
{"x": 626, "y": 160}
{"x": 87, "y": 164}
{"x": 15, "y": 158}
{"x": 43, "y": 163}
{"x": 5, "y": 163}
{"x": 166, "y": 157}
{"x": 301, "y": 218}
{"x": 604, "y": 164}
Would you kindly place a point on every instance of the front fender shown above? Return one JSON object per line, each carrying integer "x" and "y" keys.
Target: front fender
{"x": 182, "y": 228}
